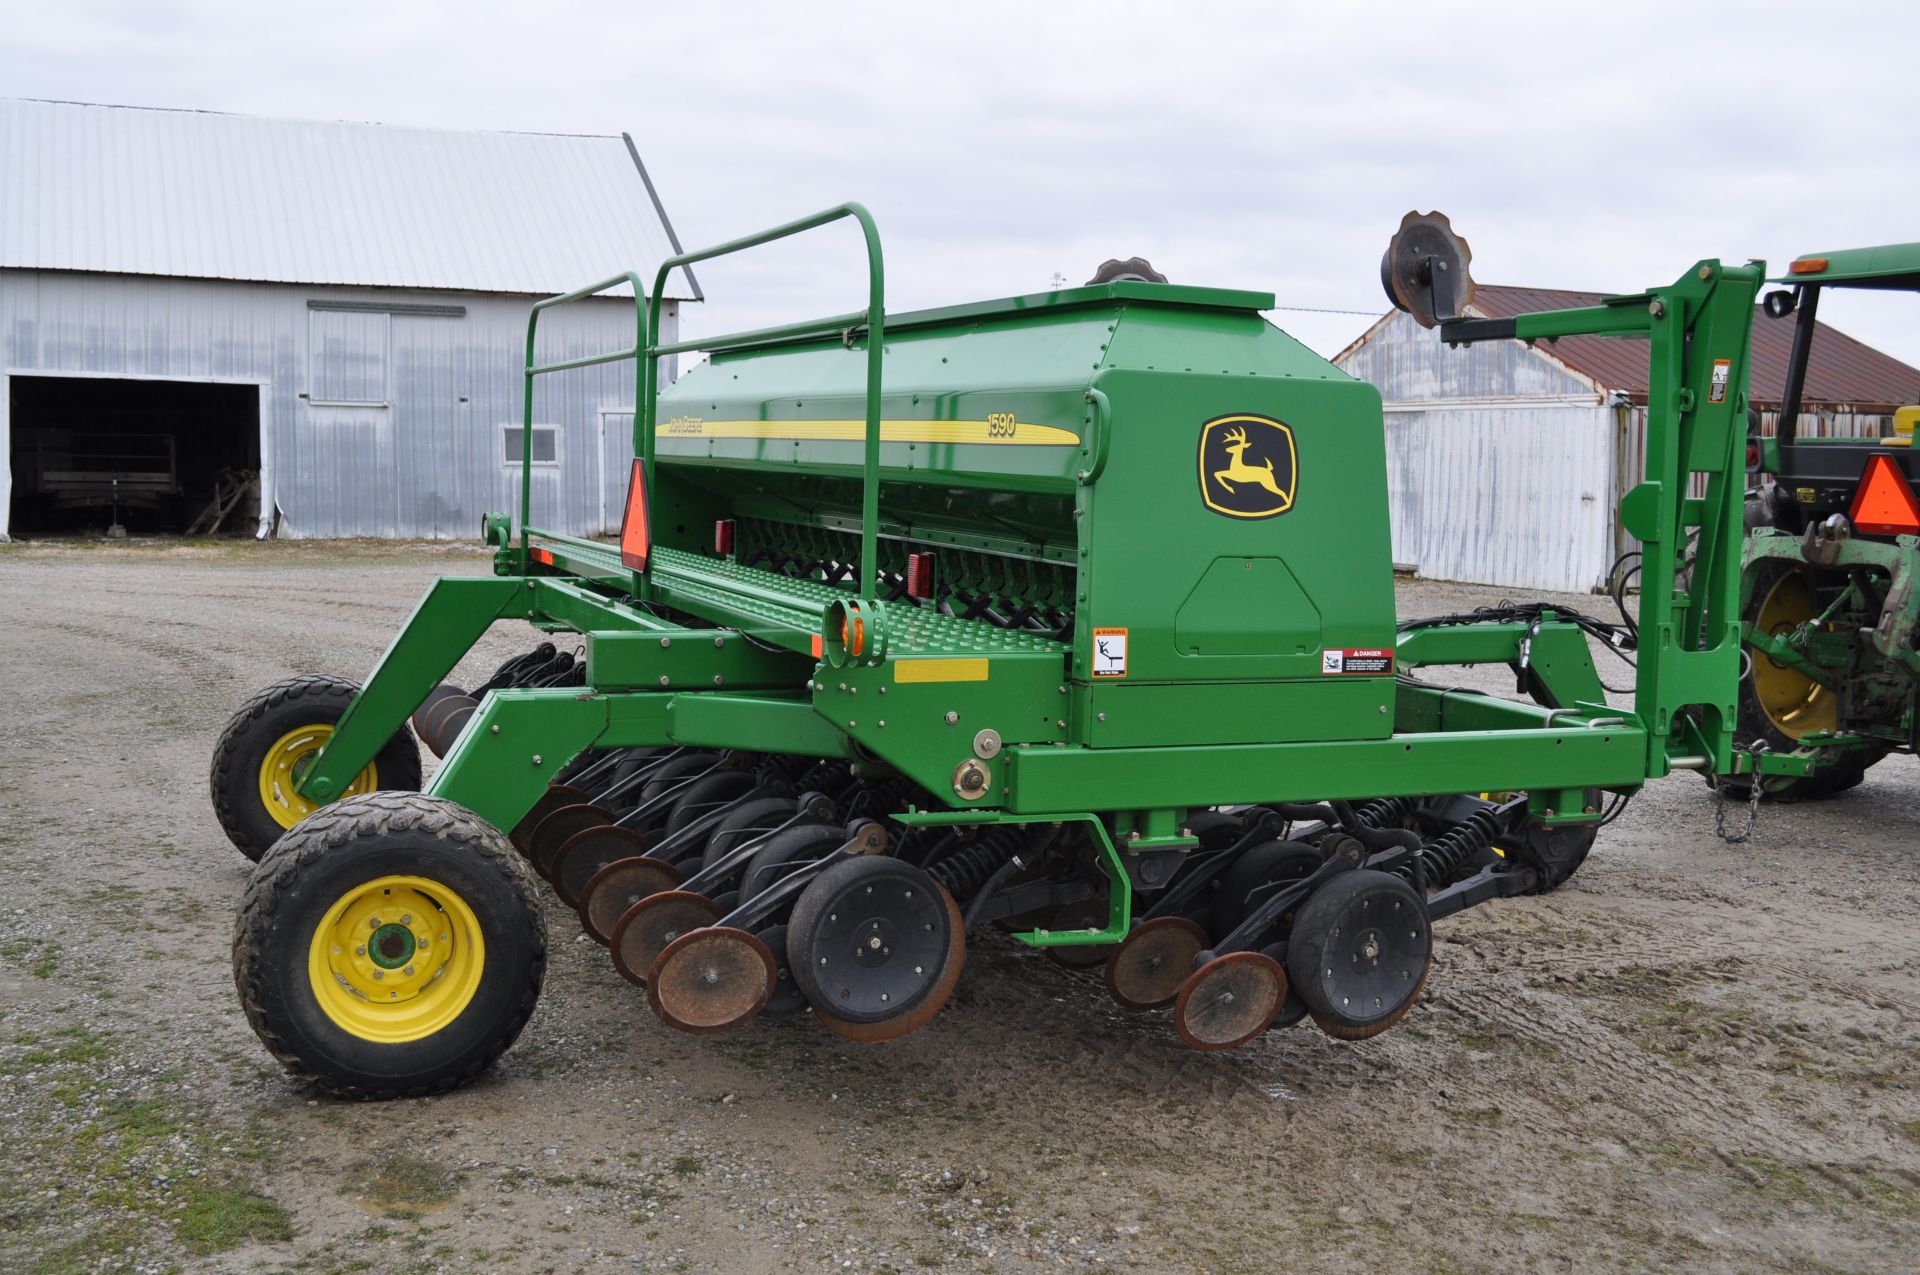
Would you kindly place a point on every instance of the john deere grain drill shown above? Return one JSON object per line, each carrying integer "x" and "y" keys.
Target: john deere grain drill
{"x": 1071, "y": 612}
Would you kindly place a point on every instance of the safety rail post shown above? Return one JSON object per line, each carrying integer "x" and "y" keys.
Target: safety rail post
{"x": 642, "y": 316}
{"x": 873, "y": 319}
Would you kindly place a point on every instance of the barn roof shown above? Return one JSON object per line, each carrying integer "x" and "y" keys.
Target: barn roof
{"x": 1842, "y": 371}
{"x": 204, "y": 195}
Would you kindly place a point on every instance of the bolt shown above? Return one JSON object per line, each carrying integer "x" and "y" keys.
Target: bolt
{"x": 1063, "y": 690}
{"x": 360, "y": 950}
{"x": 663, "y": 679}
{"x": 884, "y": 998}
{"x": 408, "y": 971}
{"x": 665, "y": 642}
{"x": 719, "y": 641}
{"x": 952, "y": 718}
{"x": 1706, "y": 272}
{"x": 1226, "y": 998}
{"x": 883, "y": 690}
{"x": 1061, "y": 723}
{"x": 853, "y": 690}
{"x": 873, "y": 943}
{"x": 1383, "y": 708}
{"x": 373, "y": 923}
{"x": 919, "y": 970}
{"x": 536, "y": 759}
{"x": 1657, "y": 309}
{"x": 718, "y": 680}
{"x": 496, "y": 729}
{"x": 1102, "y": 716}
{"x": 378, "y": 974}
{"x": 423, "y": 945}
{"x": 883, "y": 724}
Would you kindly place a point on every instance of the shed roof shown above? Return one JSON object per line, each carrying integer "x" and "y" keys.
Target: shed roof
{"x": 204, "y": 195}
{"x": 1842, "y": 371}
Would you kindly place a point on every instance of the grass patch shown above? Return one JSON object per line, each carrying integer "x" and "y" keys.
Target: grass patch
{"x": 218, "y": 1218}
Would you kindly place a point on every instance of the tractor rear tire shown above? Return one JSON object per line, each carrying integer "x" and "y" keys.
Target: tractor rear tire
{"x": 255, "y": 763}
{"x": 1764, "y": 715}
{"x": 401, "y": 894}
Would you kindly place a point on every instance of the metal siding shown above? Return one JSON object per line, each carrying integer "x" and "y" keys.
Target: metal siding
{"x": 196, "y": 194}
{"x": 1510, "y": 496}
{"x": 1410, "y": 364}
{"x": 428, "y": 464}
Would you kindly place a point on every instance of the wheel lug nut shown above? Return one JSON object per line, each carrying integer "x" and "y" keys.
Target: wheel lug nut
{"x": 378, "y": 974}
{"x": 361, "y": 950}
{"x": 408, "y": 971}
{"x": 373, "y": 923}
{"x": 406, "y": 919}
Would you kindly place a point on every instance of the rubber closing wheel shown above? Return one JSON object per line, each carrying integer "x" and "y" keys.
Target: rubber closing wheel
{"x": 1230, "y": 1000}
{"x": 652, "y": 924}
{"x": 711, "y": 980}
{"x": 1359, "y": 954}
{"x": 876, "y": 946}
{"x": 1146, "y": 969}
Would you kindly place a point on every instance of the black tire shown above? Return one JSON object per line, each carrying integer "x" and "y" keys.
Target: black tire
{"x": 1257, "y": 865}
{"x": 804, "y": 842}
{"x": 705, "y": 794}
{"x": 346, "y": 847}
{"x": 264, "y": 720}
{"x": 746, "y": 821}
{"x": 1351, "y": 997}
{"x": 1838, "y": 769}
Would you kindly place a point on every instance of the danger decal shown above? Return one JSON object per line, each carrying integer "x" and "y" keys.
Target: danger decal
{"x": 1345, "y": 661}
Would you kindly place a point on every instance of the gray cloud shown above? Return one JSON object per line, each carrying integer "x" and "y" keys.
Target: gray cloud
{"x": 1259, "y": 145}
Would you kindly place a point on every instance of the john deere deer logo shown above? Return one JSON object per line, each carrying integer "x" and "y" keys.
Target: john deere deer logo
{"x": 1248, "y": 467}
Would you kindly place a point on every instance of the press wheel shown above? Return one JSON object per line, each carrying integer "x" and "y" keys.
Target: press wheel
{"x": 1229, "y": 1000}
{"x": 876, "y": 946}
{"x": 1146, "y": 969}
{"x": 711, "y": 980}
{"x": 613, "y": 891}
{"x": 1359, "y": 953}
{"x": 787, "y": 999}
{"x": 650, "y": 925}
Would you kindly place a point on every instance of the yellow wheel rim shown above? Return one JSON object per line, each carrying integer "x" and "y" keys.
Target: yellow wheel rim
{"x": 396, "y": 959}
{"x": 1795, "y": 703}
{"x": 284, "y": 766}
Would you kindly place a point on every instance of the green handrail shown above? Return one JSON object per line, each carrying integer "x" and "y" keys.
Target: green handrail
{"x": 873, "y": 319}
{"x": 642, "y": 316}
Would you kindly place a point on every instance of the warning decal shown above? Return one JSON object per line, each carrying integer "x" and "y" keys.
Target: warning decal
{"x": 1343, "y": 660}
{"x": 1109, "y": 652}
{"x": 1722, "y": 374}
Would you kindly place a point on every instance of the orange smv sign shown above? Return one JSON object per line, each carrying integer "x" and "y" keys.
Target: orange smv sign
{"x": 1884, "y": 505}
{"x": 636, "y": 538}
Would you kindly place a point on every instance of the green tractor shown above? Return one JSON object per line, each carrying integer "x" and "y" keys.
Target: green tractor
{"x": 1828, "y": 605}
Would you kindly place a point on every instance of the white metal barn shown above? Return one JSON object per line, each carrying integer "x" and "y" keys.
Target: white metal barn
{"x": 189, "y": 299}
{"x": 1506, "y": 463}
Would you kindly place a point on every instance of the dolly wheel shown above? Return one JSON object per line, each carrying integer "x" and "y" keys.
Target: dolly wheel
{"x": 1359, "y": 953}
{"x": 390, "y": 946}
{"x": 1147, "y": 968}
{"x": 711, "y": 980}
{"x": 267, "y": 747}
{"x": 1230, "y": 1000}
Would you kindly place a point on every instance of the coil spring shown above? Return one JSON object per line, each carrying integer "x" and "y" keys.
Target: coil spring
{"x": 1453, "y": 849}
{"x": 967, "y": 868}
{"x": 1386, "y": 812}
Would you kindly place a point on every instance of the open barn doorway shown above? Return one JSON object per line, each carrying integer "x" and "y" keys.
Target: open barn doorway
{"x": 92, "y": 454}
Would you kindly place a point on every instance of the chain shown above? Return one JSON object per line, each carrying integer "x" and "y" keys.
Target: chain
{"x": 1753, "y": 802}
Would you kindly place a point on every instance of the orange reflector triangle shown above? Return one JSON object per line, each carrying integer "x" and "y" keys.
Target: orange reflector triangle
{"x": 1885, "y": 505}
{"x": 635, "y": 538}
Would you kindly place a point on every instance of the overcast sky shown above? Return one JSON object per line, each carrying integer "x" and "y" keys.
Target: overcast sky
{"x": 1604, "y": 146}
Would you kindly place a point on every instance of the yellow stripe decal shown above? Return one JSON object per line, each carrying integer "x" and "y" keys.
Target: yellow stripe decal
{"x": 940, "y": 670}
{"x": 998, "y": 432}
